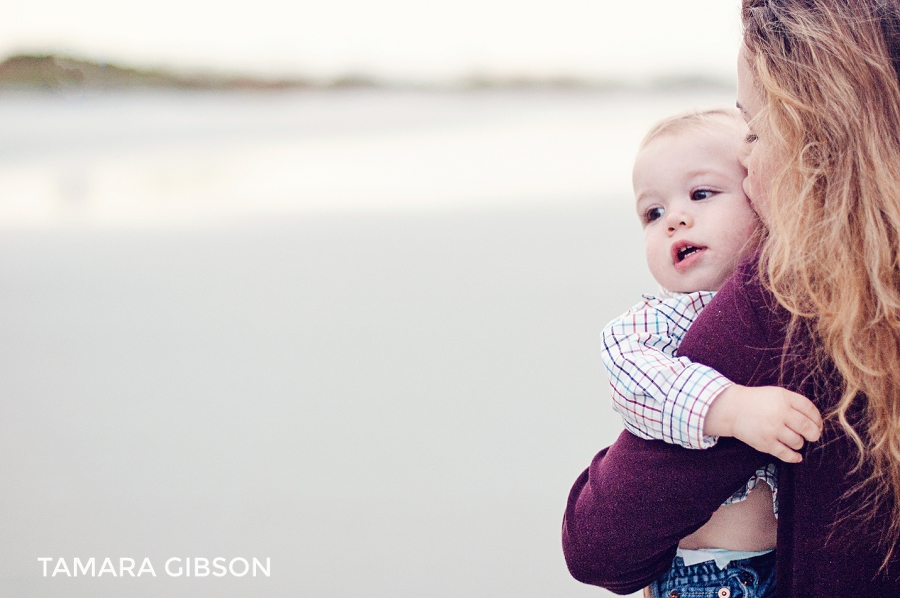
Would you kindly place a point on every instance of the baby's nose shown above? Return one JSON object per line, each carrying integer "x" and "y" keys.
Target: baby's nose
{"x": 679, "y": 219}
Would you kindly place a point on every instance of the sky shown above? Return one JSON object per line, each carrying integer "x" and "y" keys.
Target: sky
{"x": 404, "y": 40}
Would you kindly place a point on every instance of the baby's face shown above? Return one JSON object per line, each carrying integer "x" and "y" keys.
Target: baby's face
{"x": 698, "y": 223}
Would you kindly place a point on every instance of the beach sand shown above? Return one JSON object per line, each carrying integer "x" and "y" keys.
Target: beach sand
{"x": 355, "y": 334}
{"x": 382, "y": 404}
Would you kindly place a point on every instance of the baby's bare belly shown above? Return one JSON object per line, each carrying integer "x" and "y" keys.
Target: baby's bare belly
{"x": 746, "y": 526}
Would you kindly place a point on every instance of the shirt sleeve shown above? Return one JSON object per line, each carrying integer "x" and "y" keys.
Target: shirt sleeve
{"x": 659, "y": 395}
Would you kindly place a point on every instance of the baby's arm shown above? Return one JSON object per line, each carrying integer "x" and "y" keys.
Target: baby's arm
{"x": 663, "y": 397}
{"x": 659, "y": 395}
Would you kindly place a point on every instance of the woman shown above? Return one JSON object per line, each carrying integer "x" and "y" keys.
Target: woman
{"x": 818, "y": 312}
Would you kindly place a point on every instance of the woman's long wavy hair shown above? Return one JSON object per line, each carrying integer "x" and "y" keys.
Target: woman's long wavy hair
{"x": 828, "y": 70}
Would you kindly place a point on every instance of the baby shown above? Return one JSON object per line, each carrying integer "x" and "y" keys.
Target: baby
{"x": 698, "y": 225}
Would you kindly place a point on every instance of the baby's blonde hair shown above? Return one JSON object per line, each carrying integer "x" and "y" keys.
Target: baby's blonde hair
{"x": 694, "y": 120}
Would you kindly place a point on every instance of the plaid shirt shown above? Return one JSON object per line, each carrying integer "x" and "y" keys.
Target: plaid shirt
{"x": 661, "y": 396}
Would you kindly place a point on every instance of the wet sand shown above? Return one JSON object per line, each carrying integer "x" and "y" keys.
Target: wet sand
{"x": 382, "y": 404}
{"x": 356, "y": 334}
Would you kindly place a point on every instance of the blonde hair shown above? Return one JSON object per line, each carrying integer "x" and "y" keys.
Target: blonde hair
{"x": 725, "y": 119}
{"x": 832, "y": 257}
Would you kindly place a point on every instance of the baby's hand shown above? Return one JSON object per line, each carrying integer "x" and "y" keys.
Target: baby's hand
{"x": 768, "y": 418}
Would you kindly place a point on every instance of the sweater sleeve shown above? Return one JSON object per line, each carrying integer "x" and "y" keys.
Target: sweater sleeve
{"x": 630, "y": 508}
{"x": 627, "y": 512}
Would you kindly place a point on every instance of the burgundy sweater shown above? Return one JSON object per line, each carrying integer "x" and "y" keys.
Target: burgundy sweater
{"x": 628, "y": 510}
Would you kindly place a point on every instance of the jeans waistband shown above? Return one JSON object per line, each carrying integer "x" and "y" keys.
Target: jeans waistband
{"x": 720, "y": 556}
{"x": 752, "y": 577}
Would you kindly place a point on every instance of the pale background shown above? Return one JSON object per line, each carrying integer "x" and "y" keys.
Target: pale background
{"x": 354, "y": 331}
{"x": 397, "y": 39}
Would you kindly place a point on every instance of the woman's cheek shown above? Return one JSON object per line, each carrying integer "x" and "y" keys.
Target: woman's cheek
{"x": 757, "y": 199}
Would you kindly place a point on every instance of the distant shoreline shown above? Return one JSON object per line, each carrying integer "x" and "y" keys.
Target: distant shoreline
{"x": 55, "y": 72}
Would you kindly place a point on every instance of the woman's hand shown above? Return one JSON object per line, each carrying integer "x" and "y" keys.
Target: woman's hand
{"x": 768, "y": 418}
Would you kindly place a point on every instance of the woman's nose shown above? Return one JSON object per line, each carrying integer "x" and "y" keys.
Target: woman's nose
{"x": 744, "y": 154}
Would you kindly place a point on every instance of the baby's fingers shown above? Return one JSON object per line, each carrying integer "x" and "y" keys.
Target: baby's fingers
{"x": 801, "y": 424}
{"x": 783, "y": 452}
{"x": 806, "y": 407}
{"x": 790, "y": 439}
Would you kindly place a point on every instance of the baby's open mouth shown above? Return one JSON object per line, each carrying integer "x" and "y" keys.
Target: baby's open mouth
{"x": 685, "y": 251}
{"x": 686, "y": 254}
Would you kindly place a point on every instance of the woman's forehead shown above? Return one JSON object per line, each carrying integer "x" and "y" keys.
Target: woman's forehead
{"x": 749, "y": 98}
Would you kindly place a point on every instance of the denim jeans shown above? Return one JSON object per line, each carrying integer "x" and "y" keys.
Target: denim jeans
{"x": 747, "y": 578}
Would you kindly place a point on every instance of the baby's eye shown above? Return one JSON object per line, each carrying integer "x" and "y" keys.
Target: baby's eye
{"x": 751, "y": 138}
{"x": 700, "y": 194}
{"x": 653, "y": 214}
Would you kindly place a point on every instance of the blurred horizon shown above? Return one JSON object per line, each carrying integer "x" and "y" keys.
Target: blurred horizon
{"x": 47, "y": 71}
{"x": 395, "y": 40}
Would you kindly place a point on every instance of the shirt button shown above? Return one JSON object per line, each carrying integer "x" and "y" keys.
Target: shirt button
{"x": 724, "y": 593}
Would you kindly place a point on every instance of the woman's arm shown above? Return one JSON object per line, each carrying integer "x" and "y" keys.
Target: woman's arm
{"x": 628, "y": 511}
